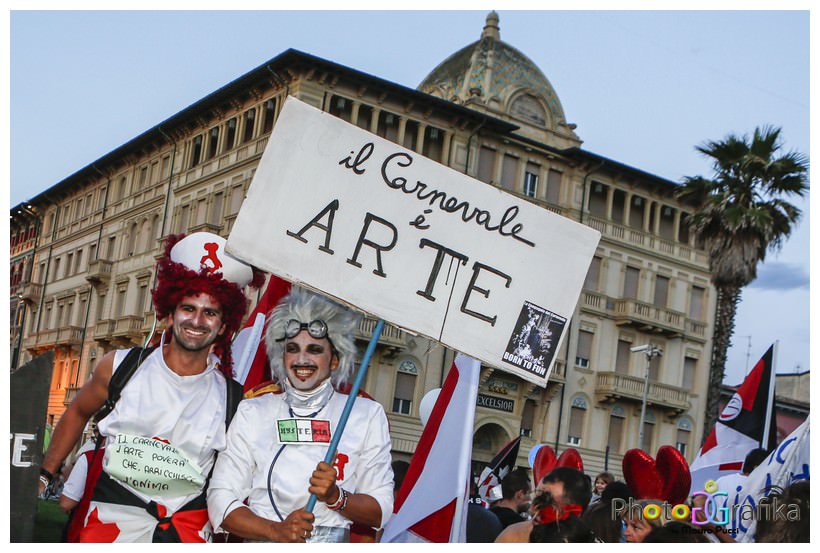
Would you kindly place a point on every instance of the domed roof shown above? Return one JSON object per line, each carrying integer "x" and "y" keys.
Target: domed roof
{"x": 490, "y": 75}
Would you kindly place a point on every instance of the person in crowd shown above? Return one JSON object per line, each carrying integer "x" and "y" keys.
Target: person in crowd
{"x": 176, "y": 401}
{"x": 637, "y": 526}
{"x": 787, "y": 528}
{"x": 263, "y": 480}
{"x": 732, "y": 483}
{"x": 606, "y": 527}
{"x": 603, "y": 480}
{"x": 565, "y": 487}
{"x": 483, "y": 525}
{"x": 516, "y": 492}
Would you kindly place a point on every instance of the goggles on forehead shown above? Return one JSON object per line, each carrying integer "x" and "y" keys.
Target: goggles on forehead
{"x": 317, "y": 329}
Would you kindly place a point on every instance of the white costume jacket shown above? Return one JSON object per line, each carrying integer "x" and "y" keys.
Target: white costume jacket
{"x": 273, "y": 477}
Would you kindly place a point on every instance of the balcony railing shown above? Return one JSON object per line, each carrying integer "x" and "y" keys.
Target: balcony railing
{"x": 99, "y": 271}
{"x": 31, "y": 291}
{"x": 645, "y": 315}
{"x": 391, "y": 337}
{"x": 128, "y": 327}
{"x": 648, "y": 241}
{"x": 612, "y": 386}
{"x": 104, "y": 329}
{"x": 70, "y": 394}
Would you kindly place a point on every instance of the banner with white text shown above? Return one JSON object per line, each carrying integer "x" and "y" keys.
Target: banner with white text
{"x": 413, "y": 242}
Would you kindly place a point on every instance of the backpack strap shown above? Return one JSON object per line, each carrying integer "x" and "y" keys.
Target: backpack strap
{"x": 236, "y": 393}
{"x": 121, "y": 376}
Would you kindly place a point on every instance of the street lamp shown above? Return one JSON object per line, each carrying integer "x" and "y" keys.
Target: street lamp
{"x": 650, "y": 351}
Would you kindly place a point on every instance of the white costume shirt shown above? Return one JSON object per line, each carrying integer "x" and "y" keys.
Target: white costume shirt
{"x": 257, "y": 467}
{"x": 186, "y": 411}
{"x": 75, "y": 483}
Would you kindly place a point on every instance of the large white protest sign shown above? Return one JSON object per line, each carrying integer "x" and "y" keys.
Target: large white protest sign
{"x": 413, "y": 242}
{"x": 788, "y": 463}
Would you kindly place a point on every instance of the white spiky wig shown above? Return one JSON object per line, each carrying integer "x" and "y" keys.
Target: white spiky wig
{"x": 305, "y": 306}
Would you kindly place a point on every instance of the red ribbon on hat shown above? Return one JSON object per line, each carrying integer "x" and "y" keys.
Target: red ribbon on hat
{"x": 560, "y": 512}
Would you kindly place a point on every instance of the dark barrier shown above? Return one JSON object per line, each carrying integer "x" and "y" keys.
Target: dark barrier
{"x": 29, "y": 401}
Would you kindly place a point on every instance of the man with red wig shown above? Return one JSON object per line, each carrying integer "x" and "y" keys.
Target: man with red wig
{"x": 164, "y": 431}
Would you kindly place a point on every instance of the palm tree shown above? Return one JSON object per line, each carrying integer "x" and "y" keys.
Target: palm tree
{"x": 739, "y": 215}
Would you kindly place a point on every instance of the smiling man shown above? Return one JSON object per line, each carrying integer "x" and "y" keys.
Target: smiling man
{"x": 277, "y": 442}
{"x": 164, "y": 431}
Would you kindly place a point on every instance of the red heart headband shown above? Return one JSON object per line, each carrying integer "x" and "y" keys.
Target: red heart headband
{"x": 665, "y": 478}
{"x": 545, "y": 461}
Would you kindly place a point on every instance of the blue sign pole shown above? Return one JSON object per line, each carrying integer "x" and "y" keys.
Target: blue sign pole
{"x": 354, "y": 391}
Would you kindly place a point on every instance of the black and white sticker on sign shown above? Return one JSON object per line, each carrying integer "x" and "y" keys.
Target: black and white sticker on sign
{"x": 534, "y": 339}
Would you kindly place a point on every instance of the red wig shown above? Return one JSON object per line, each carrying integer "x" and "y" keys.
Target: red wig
{"x": 176, "y": 281}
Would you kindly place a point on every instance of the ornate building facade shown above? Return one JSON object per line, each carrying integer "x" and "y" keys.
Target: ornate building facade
{"x": 83, "y": 252}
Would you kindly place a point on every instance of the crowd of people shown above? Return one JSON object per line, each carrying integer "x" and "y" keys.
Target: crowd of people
{"x": 177, "y": 457}
{"x": 568, "y": 506}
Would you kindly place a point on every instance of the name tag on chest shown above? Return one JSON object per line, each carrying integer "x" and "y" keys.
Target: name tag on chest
{"x": 303, "y": 431}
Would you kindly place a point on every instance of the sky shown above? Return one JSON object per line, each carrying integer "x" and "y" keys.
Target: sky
{"x": 643, "y": 87}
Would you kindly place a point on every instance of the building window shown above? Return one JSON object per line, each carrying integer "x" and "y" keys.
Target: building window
{"x": 689, "y": 366}
{"x": 403, "y": 396}
{"x": 527, "y": 418}
{"x": 388, "y": 127}
{"x": 230, "y": 133}
{"x": 616, "y": 429}
{"x": 132, "y": 238}
{"x": 364, "y": 117}
{"x": 597, "y": 199}
{"x": 648, "y": 431}
{"x": 165, "y": 170}
{"x": 618, "y": 206}
{"x": 68, "y": 266}
{"x": 250, "y": 118}
{"x": 486, "y": 164}
{"x": 636, "y": 211}
{"x": 696, "y": 303}
{"x": 216, "y": 208}
{"x": 196, "y": 152}
{"x": 684, "y": 432}
{"x": 509, "y": 168}
{"x": 683, "y": 228}
{"x": 119, "y": 306}
{"x": 56, "y": 269}
{"x": 184, "y": 215}
{"x": 142, "y": 293}
{"x": 143, "y": 177}
{"x": 655, "y": 368}
{"x": 622, "y": 357}
{"x": 661, "y": 291}
{"x": 341, "y": 108}
{"x": 631, "y": 276}
{"x": 78, "y": 261}
{"x": 411, "y": 131}
{"x": 237, "y": 196}
{"x": 584, "y": 351}
{"x": 270, "y": 111}
{"x": 593, "y": 274}
{"x": 577, "y": 414}
{"x": 213, "y": 142}
{"x": 433, "y": 143}
{"x": 531, "y": 180}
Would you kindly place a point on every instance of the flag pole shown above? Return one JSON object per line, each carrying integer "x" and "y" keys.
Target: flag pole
{"x": 764, "y": 440}
{"x": 354, "y": 391}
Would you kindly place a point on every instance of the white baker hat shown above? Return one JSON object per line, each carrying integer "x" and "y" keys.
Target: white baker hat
{"x": 205, "y": 250}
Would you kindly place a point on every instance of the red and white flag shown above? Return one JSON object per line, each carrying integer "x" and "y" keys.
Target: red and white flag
{"x": 431, "y": 504}
{"x": 248, "y": 347}
{"x": 746, "y": 423}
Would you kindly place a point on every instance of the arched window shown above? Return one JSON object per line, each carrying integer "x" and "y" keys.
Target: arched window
{"x": 616, "y": 429}
{"x": 684, "y": 435}
{"x": 577, "y": 417}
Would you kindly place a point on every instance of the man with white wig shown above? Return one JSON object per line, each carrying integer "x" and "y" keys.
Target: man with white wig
{"x": 277, "y": 443}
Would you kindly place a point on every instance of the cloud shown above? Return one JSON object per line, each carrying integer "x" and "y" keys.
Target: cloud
{"x": 781, "y": 276}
